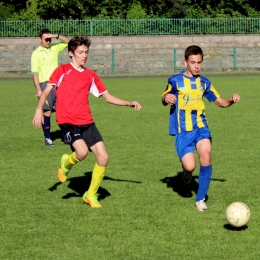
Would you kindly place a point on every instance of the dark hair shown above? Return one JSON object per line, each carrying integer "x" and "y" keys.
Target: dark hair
{"x": 78, "y": 41}
{"x": 193, "y": 50}
{"x": 43, "y": 31}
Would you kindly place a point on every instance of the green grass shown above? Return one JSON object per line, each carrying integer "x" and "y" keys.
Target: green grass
{"x": 144, "y": 215}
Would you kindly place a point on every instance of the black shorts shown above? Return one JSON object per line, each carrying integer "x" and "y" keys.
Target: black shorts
{"x": 50, "y": 103}
{"x": 89, "y": 133}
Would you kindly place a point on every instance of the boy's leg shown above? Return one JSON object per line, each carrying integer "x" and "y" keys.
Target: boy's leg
{"x": 78, "y": 146}
{"x": 90, "y": 196}
{"x": 204, "y": 151}
{"x": 67, "y": 162}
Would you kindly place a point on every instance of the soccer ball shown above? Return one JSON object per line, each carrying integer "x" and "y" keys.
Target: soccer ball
{"x": 237, "y": 214}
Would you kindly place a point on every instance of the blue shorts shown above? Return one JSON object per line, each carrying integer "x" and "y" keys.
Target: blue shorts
{"x": 185, "y": 142}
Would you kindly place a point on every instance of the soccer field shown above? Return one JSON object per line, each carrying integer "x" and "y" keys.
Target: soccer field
{"x": 144, "y": 214}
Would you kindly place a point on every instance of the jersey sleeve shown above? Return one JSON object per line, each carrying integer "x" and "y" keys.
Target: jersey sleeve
{"x": 171, "y": 87}
{"x": 97, "y": 87}
{"x": 59, "y": 47}
{"x": 210, "y": 92}
{"x": 56, "y": 76}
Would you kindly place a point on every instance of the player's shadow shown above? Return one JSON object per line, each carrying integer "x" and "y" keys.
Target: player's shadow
{"x": 183, "y": 189}
{"x": 56, "y": 135}
{"x": 179, "y": 186}
{"x": 79, "y": 185}
{"x": 229, "y": 227}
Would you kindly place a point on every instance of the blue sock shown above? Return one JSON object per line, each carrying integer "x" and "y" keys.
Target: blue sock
{"x": 204, "y": 181}
{"x": 46, "y": 127}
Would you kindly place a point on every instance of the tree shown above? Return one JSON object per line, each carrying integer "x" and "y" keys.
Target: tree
{"x": 6, "y": 11}
{"x": 135, "y": 11}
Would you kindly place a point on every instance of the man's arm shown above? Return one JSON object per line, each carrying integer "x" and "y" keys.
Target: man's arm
{"x": 120, "y": 102}
{"x": 58, "y": 37}
{"x": 36, "y": 84}
{"x": 221, "y": 102}
{"x": 38, "y": 118}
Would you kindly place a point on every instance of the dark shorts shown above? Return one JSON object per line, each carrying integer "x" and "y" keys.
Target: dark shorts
{"x": 186, "y": 142}
{"x": 89, "y": 133}
{"x": 51, "y": 99}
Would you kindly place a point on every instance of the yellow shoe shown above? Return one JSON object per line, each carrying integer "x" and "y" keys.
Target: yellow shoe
{"x": 62, "y": 171}
{"x": 92, "y": 201}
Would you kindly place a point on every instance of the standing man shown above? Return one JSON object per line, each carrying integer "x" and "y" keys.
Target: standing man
{"x": 44, "y": 61}
{"x": 184, "y": 93}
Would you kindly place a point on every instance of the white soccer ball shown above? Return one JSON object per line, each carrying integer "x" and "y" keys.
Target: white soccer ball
{"x": 238, "y": 214}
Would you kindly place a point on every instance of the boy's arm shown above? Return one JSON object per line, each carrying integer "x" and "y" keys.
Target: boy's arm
{"x": 38, "y": 118}
{"x": 221, "y": 102}
{"x": 168, "y": 99}
{"x": 120, "y": 102}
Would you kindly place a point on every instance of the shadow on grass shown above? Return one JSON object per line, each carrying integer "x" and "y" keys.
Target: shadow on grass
{"x": 177, "y": 184}
{"x": 183, "y": 189}
{"x": 80, "y": 184}
{"x": 229, "y": 227}
{"x": 57, "y": 135}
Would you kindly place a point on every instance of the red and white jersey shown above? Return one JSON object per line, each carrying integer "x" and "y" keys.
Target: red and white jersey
{"x": 72, "y": 89}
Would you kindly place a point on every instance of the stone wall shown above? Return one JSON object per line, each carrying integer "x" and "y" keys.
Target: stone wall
{"x": 144, "y": 54}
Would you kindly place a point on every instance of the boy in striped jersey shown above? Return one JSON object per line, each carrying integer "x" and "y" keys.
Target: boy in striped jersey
{"x": 188, "y": 123}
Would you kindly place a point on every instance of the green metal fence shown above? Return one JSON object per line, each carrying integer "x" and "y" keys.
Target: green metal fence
{"x": 142, "y": 61}
{"x": 104, "y": 27}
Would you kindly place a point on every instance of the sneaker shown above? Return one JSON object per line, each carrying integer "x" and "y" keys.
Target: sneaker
{"x": 187, "y": 177}
{"x": 92, "y": 201}
{"x": 49, "y": 142}
{"x": 201, "y": 205}
{"x": 63, "y": 171}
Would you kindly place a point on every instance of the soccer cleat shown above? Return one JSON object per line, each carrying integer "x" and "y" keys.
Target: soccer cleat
{"x": 187, "y": 177}
{"x": 63, "y": 171}
{"x": 49, "y": 142}
{"x": 201, "y": 205}
{"x": 92, "y": 201}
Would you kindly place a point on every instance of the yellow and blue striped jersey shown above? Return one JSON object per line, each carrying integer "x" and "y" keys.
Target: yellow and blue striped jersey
{"x": 188, "y": 111}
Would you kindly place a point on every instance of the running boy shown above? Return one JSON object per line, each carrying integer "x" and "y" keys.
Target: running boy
{"x": 188, "y": 123}
{"x": 74, "y": 82}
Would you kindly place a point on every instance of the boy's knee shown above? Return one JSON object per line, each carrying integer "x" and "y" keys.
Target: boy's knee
{"x": 189, "y": 168}
{"x": 103, "y": 159}
{"x": 81, "y": 154}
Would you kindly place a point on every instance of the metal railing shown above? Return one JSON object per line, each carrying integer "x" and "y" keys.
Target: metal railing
{"x": 143, "y": 61}
{"x": 112, "y": 27}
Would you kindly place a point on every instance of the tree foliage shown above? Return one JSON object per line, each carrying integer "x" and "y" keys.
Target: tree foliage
{"x": 111, "y": 9}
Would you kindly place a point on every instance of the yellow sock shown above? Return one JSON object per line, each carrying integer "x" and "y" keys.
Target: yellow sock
{"x": 72, "y": 160}
{"x": 97, "y": 177}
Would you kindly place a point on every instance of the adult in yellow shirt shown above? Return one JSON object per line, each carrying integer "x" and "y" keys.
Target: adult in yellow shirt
{"x": 44, "y": 61}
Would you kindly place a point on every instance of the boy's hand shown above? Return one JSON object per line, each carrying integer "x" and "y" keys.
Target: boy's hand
{"x": 136, "y": 105}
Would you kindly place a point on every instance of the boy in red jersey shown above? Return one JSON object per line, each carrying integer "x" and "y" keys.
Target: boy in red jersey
{"x": 74, "y": 82}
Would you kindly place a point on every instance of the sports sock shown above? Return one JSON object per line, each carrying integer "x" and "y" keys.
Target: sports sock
{"x": 97, "y": 177}
{"x": 72, "y": 160}
{"x": 46, "y": 127}
{"x": 204, "y": 181}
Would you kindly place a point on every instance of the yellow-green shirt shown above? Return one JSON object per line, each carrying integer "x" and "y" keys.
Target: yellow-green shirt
{"x": 45, "y": 60}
